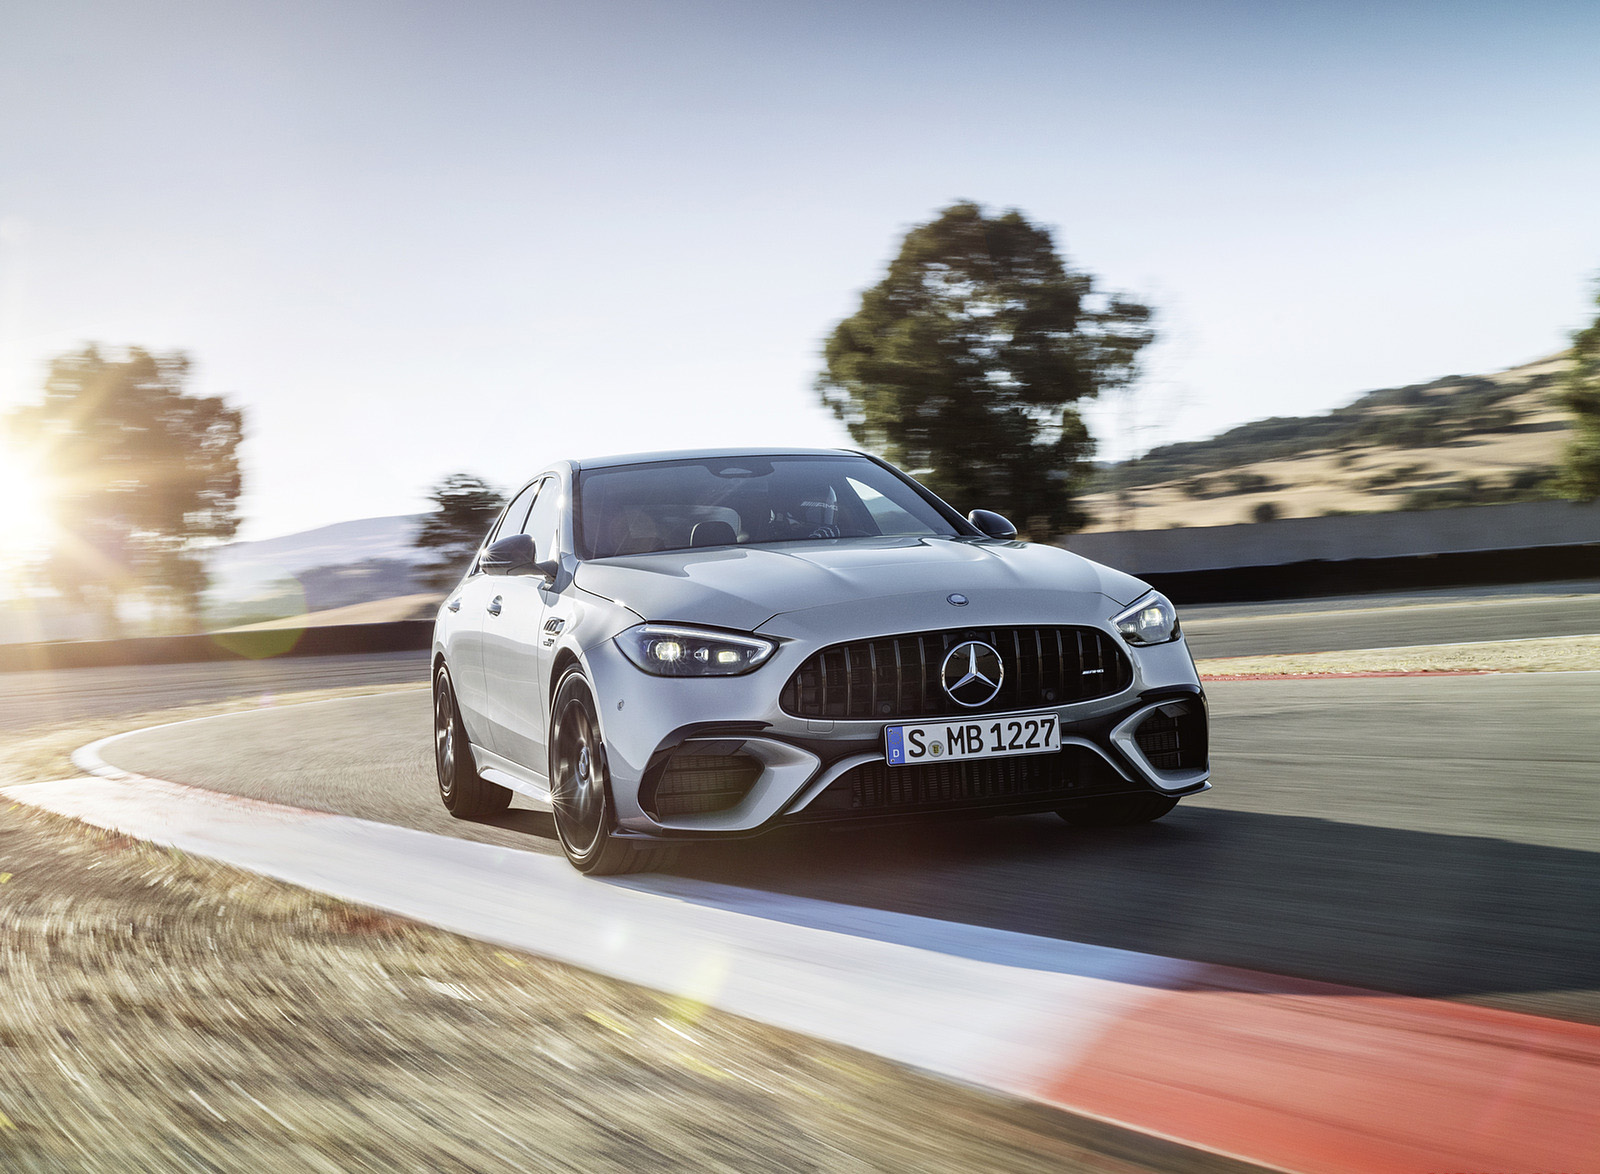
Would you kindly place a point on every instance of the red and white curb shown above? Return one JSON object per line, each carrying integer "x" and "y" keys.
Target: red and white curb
{"x": 1292, "y": 1075}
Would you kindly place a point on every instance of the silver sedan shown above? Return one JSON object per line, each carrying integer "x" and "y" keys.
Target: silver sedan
{"x": 678, "y": 646}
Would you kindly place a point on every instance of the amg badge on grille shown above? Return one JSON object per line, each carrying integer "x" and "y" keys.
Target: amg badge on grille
{"x": 972, "y": 673}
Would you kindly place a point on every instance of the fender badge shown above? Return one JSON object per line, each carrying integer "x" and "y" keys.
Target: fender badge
{"x": 958, "y": 599}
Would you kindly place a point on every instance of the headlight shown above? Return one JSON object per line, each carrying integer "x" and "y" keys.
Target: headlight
{"x": 692, "y": 652}
{"x": 1153, "y": 620}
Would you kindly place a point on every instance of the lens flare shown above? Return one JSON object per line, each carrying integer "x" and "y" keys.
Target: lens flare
{"x": 26, "y": 528}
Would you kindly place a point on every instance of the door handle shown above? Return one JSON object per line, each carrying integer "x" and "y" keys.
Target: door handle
{"x": 494, "y": 605}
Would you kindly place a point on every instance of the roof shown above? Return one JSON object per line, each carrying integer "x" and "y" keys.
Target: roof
{"x": 697, "y": 454}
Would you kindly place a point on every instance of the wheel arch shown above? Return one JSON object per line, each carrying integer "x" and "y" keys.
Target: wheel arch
{"x": 565, "y": 658}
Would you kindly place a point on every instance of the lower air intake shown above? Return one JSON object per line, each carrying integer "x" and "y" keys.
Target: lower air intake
{"x": 876, "y": 788}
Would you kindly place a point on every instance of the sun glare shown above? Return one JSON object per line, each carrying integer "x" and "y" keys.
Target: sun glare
{"x": 25, "y": 524}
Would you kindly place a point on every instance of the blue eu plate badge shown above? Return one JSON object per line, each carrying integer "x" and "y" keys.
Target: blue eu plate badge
{"x": 896, "y": 745}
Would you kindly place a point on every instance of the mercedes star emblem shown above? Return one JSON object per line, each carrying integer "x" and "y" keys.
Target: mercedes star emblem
{"x": 972, "y": 674}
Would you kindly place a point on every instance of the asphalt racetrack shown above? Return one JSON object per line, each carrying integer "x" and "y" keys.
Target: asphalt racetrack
{"x": 1432, "y": 836}
{"x": 50, "y": 696}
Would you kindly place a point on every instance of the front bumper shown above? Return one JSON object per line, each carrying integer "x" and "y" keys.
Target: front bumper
{"x": 1147, "y": 738}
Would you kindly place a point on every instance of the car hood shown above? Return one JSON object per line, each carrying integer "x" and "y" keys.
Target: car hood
{"x": 743, "y": 588}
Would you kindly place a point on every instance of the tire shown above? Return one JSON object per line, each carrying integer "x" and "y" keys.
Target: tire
{"x": 465, "y": 793}
{"x": 580, "y": 788}
{"x": 1117, "y": 810}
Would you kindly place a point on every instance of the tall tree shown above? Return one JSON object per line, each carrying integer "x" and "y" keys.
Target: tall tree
{"x": 1581, "y": 476}
{"x": 464, "y": 507}
{"x": 144, "y": 476}
{"x": 967, "y": 360}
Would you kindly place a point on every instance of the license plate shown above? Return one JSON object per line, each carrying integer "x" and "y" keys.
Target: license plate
{"x": 986, "y": 737}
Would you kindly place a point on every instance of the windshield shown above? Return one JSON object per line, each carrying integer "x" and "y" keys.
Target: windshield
{"x": 676, "y": 505}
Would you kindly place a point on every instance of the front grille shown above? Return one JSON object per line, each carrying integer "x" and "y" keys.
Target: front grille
{"x": 1174, "y": 737}
{"x": 698, "y": 784}
{"x": 899, "y": 676}
{"x": 876, "y": 788}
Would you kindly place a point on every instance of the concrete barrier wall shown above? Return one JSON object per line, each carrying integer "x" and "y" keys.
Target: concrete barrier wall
{"x": 1474, "y": 530}
{"x": 342, "y": 640}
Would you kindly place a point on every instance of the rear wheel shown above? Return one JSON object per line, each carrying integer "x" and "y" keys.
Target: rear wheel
{"x": 466, "y": 794}
{"x": 1117, "y": 810}
{"x": 580, "y": 788}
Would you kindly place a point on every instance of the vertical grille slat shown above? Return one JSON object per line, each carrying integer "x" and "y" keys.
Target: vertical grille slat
{"x": 922, "y": 672}
{"x": 1038, "y": 662}
{"x": 872, "y": 668}
{"x": 899, "y": 674}
{"x": 857, "y": 680}
{"x": 849, "y": 684}
{"x": 1015, "y": 689}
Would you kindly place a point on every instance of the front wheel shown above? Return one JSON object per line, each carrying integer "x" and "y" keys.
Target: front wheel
{"x": 1117, "y": 810}
{"x": 580, "y": 787}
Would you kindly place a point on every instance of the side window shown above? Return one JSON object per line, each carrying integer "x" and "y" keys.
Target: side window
{"x": 542, "y": 521}
{"x": 511, "y": 521}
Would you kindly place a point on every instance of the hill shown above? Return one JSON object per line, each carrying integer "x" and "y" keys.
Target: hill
{"x": 1460, "y": 440}
{"x": 337, "y": 566}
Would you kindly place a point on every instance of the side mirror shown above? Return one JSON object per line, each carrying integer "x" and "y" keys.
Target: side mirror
{"x": 512, "y": 556}
{"x": 992, "y": 524}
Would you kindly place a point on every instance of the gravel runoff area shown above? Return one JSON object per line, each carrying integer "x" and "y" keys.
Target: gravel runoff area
{"x": 1551, "y": 654}
{"x": 163, "y": 1013}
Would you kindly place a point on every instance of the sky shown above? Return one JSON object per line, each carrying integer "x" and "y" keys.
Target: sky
{"x": 411, "y": 239}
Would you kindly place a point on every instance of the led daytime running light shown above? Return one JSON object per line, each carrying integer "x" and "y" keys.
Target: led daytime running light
{"x": 692, "y": 652}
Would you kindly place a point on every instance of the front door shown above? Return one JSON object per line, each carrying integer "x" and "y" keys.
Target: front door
{"x": 518, "y": 643}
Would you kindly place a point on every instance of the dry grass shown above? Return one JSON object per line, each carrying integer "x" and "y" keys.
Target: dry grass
{"x": 1359, "y": 480}
{"x": 421, "y": 606}
{"x": 1553, "y": 654}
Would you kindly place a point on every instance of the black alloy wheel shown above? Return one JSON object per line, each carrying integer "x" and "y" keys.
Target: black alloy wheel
{"x": 580, "y": 790}
{"x": 465, "y": 793}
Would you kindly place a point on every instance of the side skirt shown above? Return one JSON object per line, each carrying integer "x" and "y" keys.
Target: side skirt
{"x": 502, "y": 771}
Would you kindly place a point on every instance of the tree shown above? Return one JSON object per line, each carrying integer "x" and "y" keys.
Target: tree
{"x": 967, "y": 359}
{"x": 464, "y": 507}
{"x": 144, "y": 476}
{"x": 1581, "y": 396}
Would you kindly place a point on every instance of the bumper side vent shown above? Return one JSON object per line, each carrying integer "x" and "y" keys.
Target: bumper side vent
{"x": 1174, "y": 737}
{"x": 695, "y": 783}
